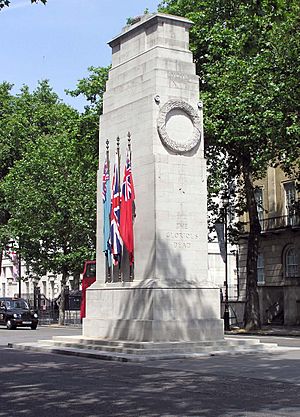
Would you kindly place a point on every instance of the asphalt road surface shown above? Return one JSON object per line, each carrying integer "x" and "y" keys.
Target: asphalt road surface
{"x": 44, "y": 385}
{"x": 25, "y": 334}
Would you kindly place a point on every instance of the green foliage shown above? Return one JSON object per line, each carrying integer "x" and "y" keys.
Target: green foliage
{"x": 92, "y": 88}
{"x": 47, "y": 183}
{"x": 48, "y": 173}
{"x": 247, "y": 58}
{"x": 50, "y": 193}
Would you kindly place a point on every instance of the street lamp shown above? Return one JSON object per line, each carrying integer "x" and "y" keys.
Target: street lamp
{"x": 226, "y": 310}
{"x": 35, "y": 281}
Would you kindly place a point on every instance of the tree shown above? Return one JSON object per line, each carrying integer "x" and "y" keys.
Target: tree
{"x": 6, "y": 3}
{"x": 48, "y": 183}
{"x": 23, "y": 119}
{"x": 51, "y": 194}
{"x": 48, "y": 175}
{"x": 249, "y": 85}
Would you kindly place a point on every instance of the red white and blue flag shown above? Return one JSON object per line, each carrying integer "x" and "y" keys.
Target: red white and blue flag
{"x": 126, "y": 217}
{"x": 116, "y": 241}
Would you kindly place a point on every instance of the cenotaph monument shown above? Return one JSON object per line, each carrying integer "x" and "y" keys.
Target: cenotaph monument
{"x": 153, "y": 93}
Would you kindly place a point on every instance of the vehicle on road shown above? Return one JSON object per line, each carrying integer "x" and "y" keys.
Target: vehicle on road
{"x": 88, "y": 278}
{"x": 15, "y": 312}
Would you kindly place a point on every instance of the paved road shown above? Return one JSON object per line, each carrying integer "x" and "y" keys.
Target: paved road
{"x": 24, "y": 334}
{"x": 47, "y": 385}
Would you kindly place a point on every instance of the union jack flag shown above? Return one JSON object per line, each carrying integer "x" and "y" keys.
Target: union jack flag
{"x": 127, "y": 186}
{"x": 116, "y": 240}
{"x": 126, "y": 219}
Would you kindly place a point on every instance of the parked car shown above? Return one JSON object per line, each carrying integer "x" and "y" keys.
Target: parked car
{"x": 15, "y": 312}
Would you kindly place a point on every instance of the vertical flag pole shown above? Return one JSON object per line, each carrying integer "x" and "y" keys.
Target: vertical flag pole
{"x": 129, "y": 144}
{"x": 108, "y": 268}
{"x": 129, "y": 151}
{"x": 118, "y": 153}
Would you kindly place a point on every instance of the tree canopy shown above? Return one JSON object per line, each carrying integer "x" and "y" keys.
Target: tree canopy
{"x": 48, "y": 159}
{"x": 247, "y": 58}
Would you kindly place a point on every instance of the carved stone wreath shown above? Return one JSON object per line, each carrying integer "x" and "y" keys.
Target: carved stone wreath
{"x": 187, "y": 144}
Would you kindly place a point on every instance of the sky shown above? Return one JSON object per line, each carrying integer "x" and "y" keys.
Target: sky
{"x": 61, "y": 40}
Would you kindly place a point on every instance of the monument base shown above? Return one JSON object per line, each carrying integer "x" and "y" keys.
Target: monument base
{"x": 141, "y": 314}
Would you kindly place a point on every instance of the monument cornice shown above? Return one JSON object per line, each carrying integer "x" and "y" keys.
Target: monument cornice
{"x": 147, "y": 22}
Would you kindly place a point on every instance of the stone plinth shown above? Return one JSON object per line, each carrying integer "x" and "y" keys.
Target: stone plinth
{"x": 152, "y": 92}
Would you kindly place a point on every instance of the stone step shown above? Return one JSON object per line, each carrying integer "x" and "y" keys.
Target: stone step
{"x": 148, "y": 345}
{"x": 232, "y": 345}
{"x": 142, "y": 356}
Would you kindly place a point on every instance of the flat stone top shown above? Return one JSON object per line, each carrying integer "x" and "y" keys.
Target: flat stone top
{"x": 147, "y": 20}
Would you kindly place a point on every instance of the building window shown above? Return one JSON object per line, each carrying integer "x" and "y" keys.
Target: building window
{"x": 260, "y": 205}
{"x": 291, "y": 262}
{"x": 260, "y": 269}
{"x": 290, "y": 198}
{"x": 44, "y": 288}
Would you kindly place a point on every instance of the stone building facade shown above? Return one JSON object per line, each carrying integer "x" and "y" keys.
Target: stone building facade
{"x": 279, "y": 252}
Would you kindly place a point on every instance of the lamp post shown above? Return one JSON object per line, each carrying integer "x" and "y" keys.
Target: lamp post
{"x": 19, "y": 268}
{"x": 226, "y": 310}
{"x": 35, "y": 281}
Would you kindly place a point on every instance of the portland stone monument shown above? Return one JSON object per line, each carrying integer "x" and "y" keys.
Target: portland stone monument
{"x": 153, "y": 93}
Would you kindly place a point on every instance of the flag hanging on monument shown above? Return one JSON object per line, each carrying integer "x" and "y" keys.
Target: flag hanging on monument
{"x": 106, "y": 198}
{"x": 116, "y": 241}
{"x": 126, "y": 217}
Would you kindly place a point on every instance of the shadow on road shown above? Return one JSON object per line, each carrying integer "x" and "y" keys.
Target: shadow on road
{"x": 42, "y": 385}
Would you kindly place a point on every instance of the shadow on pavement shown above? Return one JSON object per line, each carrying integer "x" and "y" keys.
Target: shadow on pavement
{"x": 42, "y": 385}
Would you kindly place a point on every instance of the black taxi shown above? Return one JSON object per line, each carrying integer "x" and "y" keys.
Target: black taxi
{"x": 15, "y": 312}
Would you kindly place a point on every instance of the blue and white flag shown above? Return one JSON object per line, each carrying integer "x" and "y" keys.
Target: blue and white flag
{"x": 106, "y": 198}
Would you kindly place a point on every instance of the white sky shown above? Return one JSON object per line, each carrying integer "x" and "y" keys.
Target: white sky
{"x": 61, "y": 40}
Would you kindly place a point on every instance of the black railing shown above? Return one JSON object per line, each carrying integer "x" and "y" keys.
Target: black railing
{"x": 275, "y": 223}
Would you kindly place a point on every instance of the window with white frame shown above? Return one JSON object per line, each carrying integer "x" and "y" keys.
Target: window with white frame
{"x": 260, "y": 269}
{"x": 259, "y": 204}
{"x": 291, "y": 262}
{"x": 290, "y": 198}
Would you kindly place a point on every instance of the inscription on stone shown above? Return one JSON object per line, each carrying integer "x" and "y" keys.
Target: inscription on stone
{"x": 182, "y": 240}
{"x": 179, "y": 76}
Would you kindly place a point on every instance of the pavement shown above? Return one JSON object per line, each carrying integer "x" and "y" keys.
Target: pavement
{"x": 37, "y": 384}
{"x": 257, "y": 385}
{"x": 268, "y": 330}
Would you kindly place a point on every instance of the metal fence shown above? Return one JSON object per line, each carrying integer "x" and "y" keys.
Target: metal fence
{"x": 48, "y": 310}
{"x": 276, "y": 223}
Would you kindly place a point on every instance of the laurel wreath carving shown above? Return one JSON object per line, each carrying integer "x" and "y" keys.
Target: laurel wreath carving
{"x": 186, "y": 144}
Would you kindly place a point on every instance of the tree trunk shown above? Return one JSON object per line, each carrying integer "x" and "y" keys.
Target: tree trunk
{"x": 251, "y": 313}
{"x": 61, "y": 318}
{"x": 76, "y": 281}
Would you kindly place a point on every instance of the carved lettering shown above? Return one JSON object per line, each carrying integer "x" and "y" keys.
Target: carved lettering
{"x": 182, "y": 245}
{"x": 182, "y": 236}
{"x": 181, "y": 225}
{"x": 179, "y": 76}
